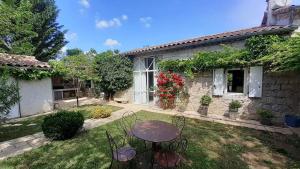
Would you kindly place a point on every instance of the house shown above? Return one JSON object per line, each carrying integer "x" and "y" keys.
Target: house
{"x": 279, "y": 93}
{"x": 36, "y": 95}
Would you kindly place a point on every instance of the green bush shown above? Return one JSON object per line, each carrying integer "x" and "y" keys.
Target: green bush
{"x": 62, "y": 125}
{"x": 205, "y": 100}
{"x": 235, "y": 104}
{"x": 264, "y": 114}
{"x": 101, "y": 112}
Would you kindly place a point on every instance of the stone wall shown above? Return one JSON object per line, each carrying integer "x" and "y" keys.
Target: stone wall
{"x": 281, "y": 95}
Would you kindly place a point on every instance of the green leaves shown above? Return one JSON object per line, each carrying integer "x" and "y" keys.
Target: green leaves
{"x": 272, "y": 51}
{"x": 114, "y": 71}
{"x": 29, "y": 27}
{"x": 9, "y": 93}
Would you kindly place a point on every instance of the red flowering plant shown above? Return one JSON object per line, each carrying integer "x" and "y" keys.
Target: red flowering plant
{"x": 169, "y": 85}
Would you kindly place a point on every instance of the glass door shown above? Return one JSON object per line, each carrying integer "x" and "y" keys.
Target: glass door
{"x": 144, "y": 80}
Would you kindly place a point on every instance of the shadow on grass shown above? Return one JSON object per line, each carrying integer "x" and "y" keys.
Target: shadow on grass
{"x": 211, "y": 146}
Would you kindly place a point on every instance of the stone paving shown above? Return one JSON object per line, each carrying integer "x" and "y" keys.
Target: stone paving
{"x": 20, "y": 145}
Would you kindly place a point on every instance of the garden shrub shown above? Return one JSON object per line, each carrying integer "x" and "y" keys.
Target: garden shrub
{"x": 205, "y": 100}
{"x": 235, "y": 104}
{"x": 264, "y": 114}
{"x": 101, "y": 112}
{"x": 62, "y": 125}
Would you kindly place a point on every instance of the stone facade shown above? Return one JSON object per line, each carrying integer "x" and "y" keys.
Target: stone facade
{"x": 281, "y": 95}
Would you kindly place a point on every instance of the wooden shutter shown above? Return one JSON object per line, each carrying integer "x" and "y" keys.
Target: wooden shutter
{"x": 255, "y": 81}
{"x": 218, "y": 87}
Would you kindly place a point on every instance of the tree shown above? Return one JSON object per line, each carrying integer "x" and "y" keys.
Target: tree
{"x": 73, "y": 52}
{"x": 50, "y": 36}
{"x": 115, "y": 73}
{"x": 78, "y": 68}
{"x": 9, "y": 94}
{"x": 29, "y": 27}
{"x": 16, "y": 27}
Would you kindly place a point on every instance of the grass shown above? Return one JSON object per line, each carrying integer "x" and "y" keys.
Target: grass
{"x": 211, "y": 146}
{"x": 32, "y": 125}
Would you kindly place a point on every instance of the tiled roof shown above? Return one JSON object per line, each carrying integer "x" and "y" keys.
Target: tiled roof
{"x": 217, "y": 38}
{"x": 21, "y": 61}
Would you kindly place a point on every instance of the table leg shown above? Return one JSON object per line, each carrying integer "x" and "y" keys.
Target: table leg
{"x": 154, "y": 148}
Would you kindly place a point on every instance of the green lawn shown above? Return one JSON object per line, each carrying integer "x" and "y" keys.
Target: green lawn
{"x": 211, "y": 146}
{"x": 33, "y": 124}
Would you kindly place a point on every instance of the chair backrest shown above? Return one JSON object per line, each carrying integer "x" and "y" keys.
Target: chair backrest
{"x": 179, "y": 145}
{"x": 179, "y": 122}
{"x": 112, "y": 144}
{"x": 128, "y": 120}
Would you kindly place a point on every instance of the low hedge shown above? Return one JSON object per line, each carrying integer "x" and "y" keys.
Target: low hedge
{"x": 62, "y": 125}
{"x": 101, "y": 112}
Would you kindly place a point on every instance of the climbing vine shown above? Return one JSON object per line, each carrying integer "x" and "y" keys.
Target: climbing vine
{"x": 272, "y": 51}
{"x": 28, "y": 74}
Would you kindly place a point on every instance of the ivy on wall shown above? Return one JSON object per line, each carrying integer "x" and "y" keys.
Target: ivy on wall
{"x": 272, "y": 51}
{"x": 28, "y": 74}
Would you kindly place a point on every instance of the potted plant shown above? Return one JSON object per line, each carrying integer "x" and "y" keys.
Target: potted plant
{"x": 265, "y": 116}
{"x": 234, "y": 106}
{"x": 205, "y": 101}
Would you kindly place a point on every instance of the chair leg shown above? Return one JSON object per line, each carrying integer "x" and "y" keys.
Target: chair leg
{"x": 111, "y": 163}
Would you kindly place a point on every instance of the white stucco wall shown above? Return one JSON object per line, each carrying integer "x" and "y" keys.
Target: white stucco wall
{"x": 36, "y": 96}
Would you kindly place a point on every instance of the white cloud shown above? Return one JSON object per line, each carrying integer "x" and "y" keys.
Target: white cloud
{"x": 146, "y": 21}
{"x": 124, "y": 17}
{"x": 115, "y": 22}
{"x": 111, "y": 43}
{"x": 84, "y": 3}
{"x": 72, "y": 36}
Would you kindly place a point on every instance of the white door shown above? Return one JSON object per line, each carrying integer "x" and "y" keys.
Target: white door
{"x": 219, "y": 83}
{"x": 255, "y": 81}
{"x": 144, "y": 75}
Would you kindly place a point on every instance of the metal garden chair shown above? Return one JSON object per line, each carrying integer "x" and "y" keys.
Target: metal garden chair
{"x": 122, "y": 152}
{"x": 179, "y": 122}
{"x": 173, "y": 157}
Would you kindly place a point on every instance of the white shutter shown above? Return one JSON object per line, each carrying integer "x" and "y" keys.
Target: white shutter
{"x": 218, "y": 87}
{"x": 255, "y": 81}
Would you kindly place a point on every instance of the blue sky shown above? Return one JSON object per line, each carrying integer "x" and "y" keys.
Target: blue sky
{"x": 130, "y": 24}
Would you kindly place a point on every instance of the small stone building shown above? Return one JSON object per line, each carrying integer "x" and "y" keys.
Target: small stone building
{"x": 278, "y": 92}
{"x": 36, "y": 95}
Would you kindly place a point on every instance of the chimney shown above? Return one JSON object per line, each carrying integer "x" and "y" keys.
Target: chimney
{"x": 275, "y": 5}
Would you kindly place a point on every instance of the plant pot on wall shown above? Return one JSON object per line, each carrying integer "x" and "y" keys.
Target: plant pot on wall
{"x": 205, "y": 101}
{"x": 203, "y": 110}
{"x": 233, "y": 113}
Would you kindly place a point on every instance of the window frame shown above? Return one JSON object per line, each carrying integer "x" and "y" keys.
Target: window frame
{"x": 246, "y": 82}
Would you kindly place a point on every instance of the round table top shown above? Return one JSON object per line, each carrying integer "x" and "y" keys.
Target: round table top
{"x": 155, "y": 131}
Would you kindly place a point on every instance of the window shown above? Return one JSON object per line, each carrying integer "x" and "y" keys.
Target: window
{"x": 235, "y": 81}
{"x": 238, "y": 81}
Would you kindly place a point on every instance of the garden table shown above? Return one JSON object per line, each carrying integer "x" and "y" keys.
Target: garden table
{"x": 155, "y": 131}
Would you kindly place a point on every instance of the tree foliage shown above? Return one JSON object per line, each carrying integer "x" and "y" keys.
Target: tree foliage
{"x": 50, "y": 36}
{"x": 9, "y": 94}
{"x": 114, "y": 71}
{"x": 16, "y": 27}
{"x": 75, "y": 51}
{"x": 29, "y": 27}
